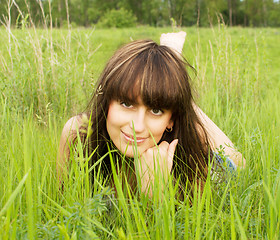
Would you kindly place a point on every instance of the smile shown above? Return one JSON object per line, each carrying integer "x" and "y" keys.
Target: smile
{"x": 130, "y": 138}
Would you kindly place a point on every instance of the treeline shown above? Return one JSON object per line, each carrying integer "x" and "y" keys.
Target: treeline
{"x": 61, "y": 13}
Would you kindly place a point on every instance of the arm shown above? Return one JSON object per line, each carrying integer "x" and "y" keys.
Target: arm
{"x": 67, "y": 136}
{"x": 217, "y": 138}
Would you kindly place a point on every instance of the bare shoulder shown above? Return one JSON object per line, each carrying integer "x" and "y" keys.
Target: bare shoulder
{"x": 68, "y": 135}
{"x": 71, "y": 126}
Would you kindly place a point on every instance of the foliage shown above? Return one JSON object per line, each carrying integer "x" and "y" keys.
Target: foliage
{"x": 120, "y": 18}
{"x": 147, "y": 12}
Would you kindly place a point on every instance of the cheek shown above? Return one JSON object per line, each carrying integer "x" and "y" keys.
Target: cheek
{"x": 115, "y": 117}
{"x": 115, "y": 120}
{"x": 158, "y": 129}
{"x": 113, "y": 113}
{"x": 109, "y": 118}
{"x": 110, "y": 121}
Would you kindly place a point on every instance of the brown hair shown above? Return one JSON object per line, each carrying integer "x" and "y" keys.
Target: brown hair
{"x": 159, "y": 76}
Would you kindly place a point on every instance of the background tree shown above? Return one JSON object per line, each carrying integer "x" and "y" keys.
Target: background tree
{"x": 256, "y": 13}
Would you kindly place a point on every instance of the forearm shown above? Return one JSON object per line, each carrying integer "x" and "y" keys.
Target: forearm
{"x": 218, "y": 139}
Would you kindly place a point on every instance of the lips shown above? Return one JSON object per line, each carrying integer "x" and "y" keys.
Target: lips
{"x": 130, "y": 138}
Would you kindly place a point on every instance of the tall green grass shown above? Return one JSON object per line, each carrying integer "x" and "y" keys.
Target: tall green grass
{"x": 47, "y": 75}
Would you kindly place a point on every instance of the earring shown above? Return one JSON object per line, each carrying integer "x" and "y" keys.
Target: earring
{"x": 169, "y": 129}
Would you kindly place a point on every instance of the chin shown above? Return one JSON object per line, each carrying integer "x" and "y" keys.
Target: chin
{"x": 130, "y": 150}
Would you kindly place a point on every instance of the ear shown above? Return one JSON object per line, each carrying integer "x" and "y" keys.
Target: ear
{"x": 170, "y": 124}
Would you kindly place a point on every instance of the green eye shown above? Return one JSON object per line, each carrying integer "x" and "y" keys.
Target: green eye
{"x": 126, "y": 105}
{"x": 156, "y": 112}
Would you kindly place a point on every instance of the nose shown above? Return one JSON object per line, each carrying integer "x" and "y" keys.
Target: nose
{"x": 138, "y": 121}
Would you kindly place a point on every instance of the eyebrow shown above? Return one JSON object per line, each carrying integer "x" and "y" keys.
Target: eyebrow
{"x": 132, "y": 99}
{"x": 126, "y": 99}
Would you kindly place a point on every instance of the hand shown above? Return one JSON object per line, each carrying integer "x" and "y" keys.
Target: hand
{"x": 173, "y": 40}
{"x": 158, "y": 159}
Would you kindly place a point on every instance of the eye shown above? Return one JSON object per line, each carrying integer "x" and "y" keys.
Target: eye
{"x": 156, "y": 111}
{"x": 126, "y": 104}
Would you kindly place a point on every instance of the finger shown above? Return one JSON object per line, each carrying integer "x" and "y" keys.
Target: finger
{"x": 163, "y": 146}
{"x": 171, "y": 151}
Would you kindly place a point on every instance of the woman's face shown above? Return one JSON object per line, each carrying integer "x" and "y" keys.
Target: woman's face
{"x": 149, "y": 125}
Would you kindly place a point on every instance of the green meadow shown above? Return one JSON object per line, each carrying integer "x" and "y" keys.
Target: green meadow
{"x": 48, "y": 75}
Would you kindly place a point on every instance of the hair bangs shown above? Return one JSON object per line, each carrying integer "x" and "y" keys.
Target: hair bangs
{"x": 161, "y": 82}
{"x": 155, "y": 76}
{"x": 124, "y": 85}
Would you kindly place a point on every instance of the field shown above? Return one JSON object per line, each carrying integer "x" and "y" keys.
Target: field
{"x": 48, "y": 75}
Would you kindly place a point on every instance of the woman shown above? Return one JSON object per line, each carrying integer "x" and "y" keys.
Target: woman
{"x": 143, "y": 106}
